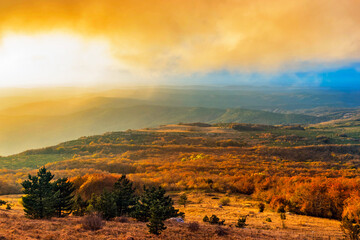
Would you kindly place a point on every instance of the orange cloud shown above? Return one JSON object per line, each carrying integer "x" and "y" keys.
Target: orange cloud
{"x": 203, "y": 35}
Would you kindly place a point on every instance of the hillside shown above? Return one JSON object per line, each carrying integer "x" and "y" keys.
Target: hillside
{"x": 309, "y": 170}
{"x": 34, "y": 118}
{"x": 46, "y": 123}
{"x": 126, "y": 147}
{"x": 69, "y": 228}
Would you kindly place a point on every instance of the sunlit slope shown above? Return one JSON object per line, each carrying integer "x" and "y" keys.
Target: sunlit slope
{"x": 325, "y": 139}
{"x": 21, "y": 132}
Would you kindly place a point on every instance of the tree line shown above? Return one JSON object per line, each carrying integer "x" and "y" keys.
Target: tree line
{"x": 46, "y": 198}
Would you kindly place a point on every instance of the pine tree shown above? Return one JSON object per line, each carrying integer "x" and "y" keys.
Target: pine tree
{"x": 124, "y": 195}
{"x": 155, "y": 207}
{"x": 104, "y": 204}
{"x": 156, "y": 224}
{"x": 79, "y": 206}
{"x": 38, "y": 201}
{"x": 63, "y": 197}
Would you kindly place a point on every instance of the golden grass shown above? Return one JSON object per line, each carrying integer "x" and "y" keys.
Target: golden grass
{"x": 14, "y": 225}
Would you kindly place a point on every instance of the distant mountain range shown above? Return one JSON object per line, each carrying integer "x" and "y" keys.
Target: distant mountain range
{"x": 50, "y": 120}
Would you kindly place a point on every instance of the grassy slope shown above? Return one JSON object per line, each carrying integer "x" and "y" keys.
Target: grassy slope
{"x": 345, "y": 132}
{"x": 15, "y": 226}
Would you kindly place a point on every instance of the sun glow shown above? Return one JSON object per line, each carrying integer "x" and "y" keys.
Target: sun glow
{"x": 53, "y": 59}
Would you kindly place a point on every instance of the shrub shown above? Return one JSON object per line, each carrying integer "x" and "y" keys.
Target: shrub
{"x": 8, "y": 206}
{"x": 241, "y": 222}
{"x": 206, "y": 219}
{"x": 281, "y": 209}
{"x": 4, "y": 215}
{"x": 193, "y": 226}
{"x": 225, "y": 201}
{"x": 92, "y": 222}
{"x": 268, "y": 219}
{"x": 215, "y": 220}
{"x": 350, "y": 229}
{"x": 350, "y": 223}
{"x": 121, "y": 219}
{"x": 220, "y": 231}
{"x": 261, "y": 207}
{"x": 183, "y": 199}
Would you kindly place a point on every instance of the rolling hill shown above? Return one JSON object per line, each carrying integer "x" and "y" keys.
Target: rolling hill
{"x": 31, "y": 126}
{"x": 32, "y": 118}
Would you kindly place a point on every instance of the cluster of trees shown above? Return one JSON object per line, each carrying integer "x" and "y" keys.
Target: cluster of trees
{"x": 152, "y": 206}
{"x": 45, "y": 198}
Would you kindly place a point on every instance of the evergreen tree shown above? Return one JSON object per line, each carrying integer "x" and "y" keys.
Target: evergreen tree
{"x": 154, "y": 198}
{"x": 79, "y": 206}
{"x": 156, "y": 224}
{"x": 124, "y": 195}
{"x": 38, "y": 201}
{"x": 63, "y": 197}
{"x": 104, "y": 204}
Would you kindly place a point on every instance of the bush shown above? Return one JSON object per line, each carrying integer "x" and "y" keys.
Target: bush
{"x": 268, "y": 219}
{"x": 281, "y": 209}
{"x": 261, "y": 207}
{"x": 92, "y": 222}
{"x": 193, "y": 226}
{"x": 183, "y": 199}
{"x": 225, "y": 201}
{"x": 350, "y": 229}
{"x": 220, "y": 231}
{"x": 121, "y": 219}
{"x": 206, "y": 219}
{"x": 350, "y": 223}
{"x": 215, "y": 220}
{"x": 241, "y": 222}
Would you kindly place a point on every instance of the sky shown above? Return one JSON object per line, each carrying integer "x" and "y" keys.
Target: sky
{"x": 129, "y": 42}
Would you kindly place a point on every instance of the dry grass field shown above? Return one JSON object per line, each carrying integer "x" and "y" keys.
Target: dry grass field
{"x": 14, "y": 225}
